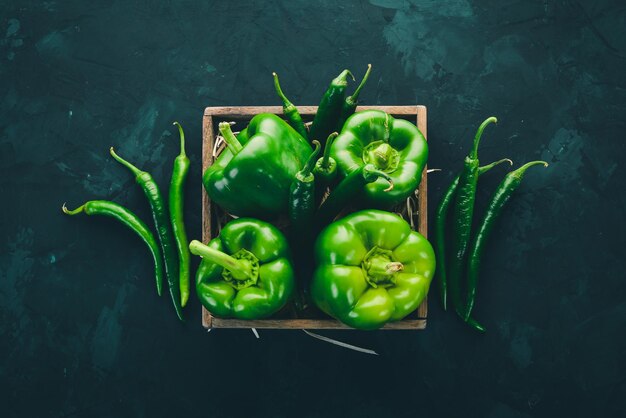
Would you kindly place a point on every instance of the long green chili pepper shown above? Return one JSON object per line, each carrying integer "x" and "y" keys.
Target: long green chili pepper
{"x": 301, "y": 216}
{"x": 499, "y": 198}
{"x": 329, "y": 109}
{"x": 132, "y": 221}
{"x": 440, "y": 229}
{"x": 325, "y": 170}
{"x": 176, "y": 202}
{"x": 163, "y": 227}
{"x": 290, "y": 111}
{"x": 349, "y": 105}
{"x": 463, "y": 210}
{"x": 347, "y": 191}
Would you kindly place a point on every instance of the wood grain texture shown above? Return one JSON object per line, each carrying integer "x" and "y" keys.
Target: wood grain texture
{"x": 246, "y": 112}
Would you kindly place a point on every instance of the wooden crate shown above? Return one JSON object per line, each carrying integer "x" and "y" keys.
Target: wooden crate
{"x": 212, "y": 116}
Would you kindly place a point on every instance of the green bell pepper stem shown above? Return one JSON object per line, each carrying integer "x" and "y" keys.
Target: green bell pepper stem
{"x": 440, "y": 229}
{"x": 500, "y": 197}
{"x": 462, "y": 215}
{"x": 229, "y": 137}
{"x": 349, "y": 105}
{"x": 348, "y": 190}
{"x": 240, "y": 269}
{"x": 290, "y": 110}
{"x": 329, "y": 109}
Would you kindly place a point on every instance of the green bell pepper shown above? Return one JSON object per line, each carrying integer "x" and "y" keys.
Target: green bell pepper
{"x": 253, "y": 175}
{"x": 394, "y": 146}
{"x": 246, "y": 272}
{"x": 371, "y": 269}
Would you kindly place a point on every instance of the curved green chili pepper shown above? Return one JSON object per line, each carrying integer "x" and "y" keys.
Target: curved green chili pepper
{"x": 463, "y": 211}
{"x": 347, "y": 190}
{"x": 502, "y": 195}
{"x": 290, "y": 111}
{"x": 162, "y": 224}
{"x": 176, "y": 201}
{"x": 132, "y": 221}
{"x": 329, "y": 109}
{"x": 440, "y": 228}
{"x": 349, "y": 105}
{"x": 325, "y": 170}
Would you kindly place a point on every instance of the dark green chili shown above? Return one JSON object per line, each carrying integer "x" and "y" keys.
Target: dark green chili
{"x": 132, "y": 221}
{"x": 325, "y": 170}
{"x": 329, "y": 109}
{"x": 463, "y": 210}
{"x": 163, "y": 227}
{"x": 176, "y": 203}
{"x": 349, "y": 105}
{"x": 440, "y": 229}
{"x": 499, "y": 198}
{"x": 348, "y": 191}
{"x": 290, "y": 111}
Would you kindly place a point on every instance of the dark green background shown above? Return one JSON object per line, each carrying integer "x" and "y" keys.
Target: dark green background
{"x": 82, "y": 332}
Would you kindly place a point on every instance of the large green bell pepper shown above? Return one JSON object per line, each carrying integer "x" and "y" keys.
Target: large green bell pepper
{"x": 252, "y": 176}
{"x": 246, "y": 272}
{"x": 371, "y": 269}
{"x": 394, "y": 146}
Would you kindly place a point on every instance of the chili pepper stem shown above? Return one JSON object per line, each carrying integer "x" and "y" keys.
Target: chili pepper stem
{"x": 479, "y": 134}
{"x": 308, "y": 166}
{"x": 125, "y": 163}
{"x": 326, "y": 157}
{"x": 355, "y": 96}
{"x": 76, "y": 211}
{"x": 229, "y": 137}
{"x": 230, "y": 263}
{"x": 520, "y": 171}
{"x": 182, "y": 139}
{"x": 369, "y": 171}
{"x": 279, "y": 91}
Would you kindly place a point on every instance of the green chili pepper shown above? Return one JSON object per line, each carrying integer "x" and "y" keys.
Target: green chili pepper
{"x": 329, "y": 109}
{"x": 302, "y": 198}
{"x": 325, "y": 170}
{"x": 132, "y": 221}
{"x": 499, "y": 198}
{"x": 176, "y": 201}
{"x": 440, "y": 228}
{"x": 349, "y": 105}
{"x": 348, "y": 191}
{"x": 162, "y": 224}
{"x": 463, "y": 210}
{"x": 301, "y": 215}
{"x": 290, "y": 111}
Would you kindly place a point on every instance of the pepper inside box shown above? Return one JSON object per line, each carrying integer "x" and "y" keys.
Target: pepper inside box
{"x": 211, "y": 223}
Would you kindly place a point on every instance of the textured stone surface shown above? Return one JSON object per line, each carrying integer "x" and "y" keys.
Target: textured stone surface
{"x": 82, "y": 332}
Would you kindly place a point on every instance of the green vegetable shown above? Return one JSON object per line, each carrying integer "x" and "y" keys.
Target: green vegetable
{"x": 349, "y": 105}
{"x": 246, "y": 272}
{"x": 329, "y": 110}
{"x": 132, "y": 221}
{"x": 440, "y": 229}
{"x": 176, "y": 202}
{"x": 349, "y": 191}
{"x": 290, "y": 111}
{"x": 394, "y": 146}
{"x": 463, "y": 209}
{"x": 325, "y": 170}
{"x": 163, "y": 227}
{"x": 252, "y": 177}
{"x": 502, "y": 195}
{"x": 371, "y": 269}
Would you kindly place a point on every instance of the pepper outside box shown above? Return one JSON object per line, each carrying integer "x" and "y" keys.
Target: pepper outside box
{"x": 211, "y": 224}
